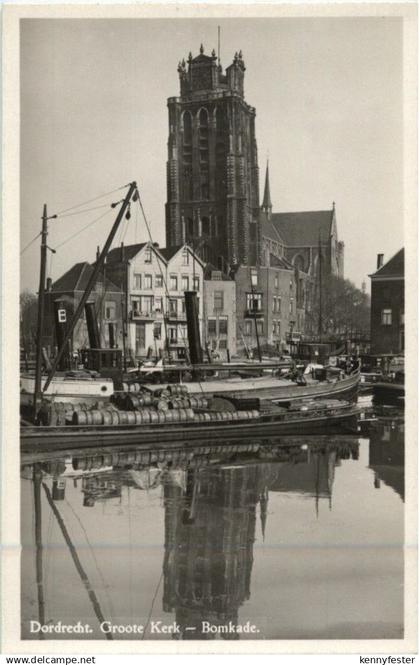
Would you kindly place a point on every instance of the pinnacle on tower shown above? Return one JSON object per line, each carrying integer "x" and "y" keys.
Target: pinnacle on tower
{"x": 266, "y": 204}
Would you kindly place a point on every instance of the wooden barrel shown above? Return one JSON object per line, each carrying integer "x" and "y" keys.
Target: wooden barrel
{"x": 131, "y": 417}
{"x": 107, "y": 417}
{"x": 162, "y": 405}
{"x": 154, "y": 417}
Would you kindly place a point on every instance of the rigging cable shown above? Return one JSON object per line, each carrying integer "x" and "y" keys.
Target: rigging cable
{"x": 81, "y": 212}
{"x": 96, "y": 198}
{"x": 30, "y": 243}
{"x": 83, "y": 229}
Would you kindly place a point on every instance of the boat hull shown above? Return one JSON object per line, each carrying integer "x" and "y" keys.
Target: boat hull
{"x": 277, "y": 390}
{"x": 44, "y": 438}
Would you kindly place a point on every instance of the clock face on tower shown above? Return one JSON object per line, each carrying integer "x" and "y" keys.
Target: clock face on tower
{"x": 201, "y": 78}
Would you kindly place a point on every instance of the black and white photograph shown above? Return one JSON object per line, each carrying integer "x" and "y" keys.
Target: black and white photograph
{"x": 212, "y": 215}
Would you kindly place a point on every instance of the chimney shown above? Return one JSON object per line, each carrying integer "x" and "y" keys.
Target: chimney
{"x": 122, "y": 252}
{"x": 380, "y": 261}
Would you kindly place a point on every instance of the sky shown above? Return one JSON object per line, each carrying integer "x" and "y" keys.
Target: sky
{"x": 328, "y": 97}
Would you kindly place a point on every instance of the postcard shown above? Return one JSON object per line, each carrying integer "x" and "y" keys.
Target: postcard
{"x": 209, "y": 329}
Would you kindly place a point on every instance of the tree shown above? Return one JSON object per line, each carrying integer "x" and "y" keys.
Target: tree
{"x": 345, "y": 309}
{"x": 28, "y": 304}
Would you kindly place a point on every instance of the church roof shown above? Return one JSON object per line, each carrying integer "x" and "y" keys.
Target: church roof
{"x": 268, "y": 229}
{"x": 392, "y": 268}
{"x": 76, "y": 279}
{"x": 280, "y": 262}
{"x": 303, "y": 229}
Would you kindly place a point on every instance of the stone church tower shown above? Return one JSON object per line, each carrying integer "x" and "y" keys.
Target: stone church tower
{"x": 212, "y": 168}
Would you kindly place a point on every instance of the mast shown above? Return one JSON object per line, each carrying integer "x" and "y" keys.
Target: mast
{"x": 41, "y": 310}
{"x": 92, "y": 281}
{"x": 320, "y": 288}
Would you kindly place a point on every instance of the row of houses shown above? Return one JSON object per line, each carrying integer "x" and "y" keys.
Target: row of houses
{"x": 139, "y": 302}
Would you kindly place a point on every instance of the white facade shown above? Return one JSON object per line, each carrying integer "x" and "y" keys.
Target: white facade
{"x": 157, "y": 280}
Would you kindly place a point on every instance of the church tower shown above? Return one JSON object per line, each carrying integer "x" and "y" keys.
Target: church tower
{"x": 212, "y": 168}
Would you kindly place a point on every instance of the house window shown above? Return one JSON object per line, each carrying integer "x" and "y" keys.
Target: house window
{"x": 248, "y": 328}
{"x": 148, "y": 281}
{"x": 274, "y": 307}
{"x": 185, "y": 283}
{"x": 218, "y": 300}
{"x": 158, "y": 281}
{"x": 274, "y": 327}
{"x": 276, "y": 280}
{"x": 173, "y": 335}
{"x": 137, "y": 282}
{"x": 386, "y": 317}
{"x": 158, "y": 304}
{"x": 254, "y": 277}
{"x": 183, "y": 309}
{"x": 185, "y": 257}
{"x": 173, "y": 306}
{"x": 223, "y": 344}
{"x": 146, "y": 304}
{"x": 157, "y": 331}
{"x": 211, "y": 326}
{"x": 223, "y": 325}
{"x": 260, "y": 327}
{"x": 148, "y": 255}
{"x": 279, "y": 305}
{"x": 110, "y": 310}
{"x": 135, "y": 305}
{"x": 278, "y": 328}
{"x": 254, "y": 302}
{"x": 173, "y": 283}
{"x": 291, "y": 306}
{"x": 196, "y": 283}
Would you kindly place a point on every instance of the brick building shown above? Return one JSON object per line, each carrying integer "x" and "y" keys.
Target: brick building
{"x": 387, "y": 306}
{"x": 269, "y": 298}
{"x": 68, "y": 291}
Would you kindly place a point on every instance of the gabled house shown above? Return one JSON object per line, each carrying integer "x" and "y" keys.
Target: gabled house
{"x": 387, "y": 306}
{"x": 154, "y": 280}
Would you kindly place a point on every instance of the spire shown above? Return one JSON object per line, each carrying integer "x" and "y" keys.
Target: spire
{"x": 266, "y": 204}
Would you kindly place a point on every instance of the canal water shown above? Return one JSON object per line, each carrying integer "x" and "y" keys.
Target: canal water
{"x": 298, "y": 538}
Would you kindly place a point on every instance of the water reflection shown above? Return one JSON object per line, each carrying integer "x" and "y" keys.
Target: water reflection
{"x": 209, "y": 514}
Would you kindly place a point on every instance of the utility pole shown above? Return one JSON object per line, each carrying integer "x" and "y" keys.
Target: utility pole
{"x": 41, "y": 310}
{"x": 255, "y": 318}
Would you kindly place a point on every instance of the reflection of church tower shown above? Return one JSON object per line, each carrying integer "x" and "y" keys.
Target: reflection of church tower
{"x": 209, "y": 536}
{"x": 212, "y": 168}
